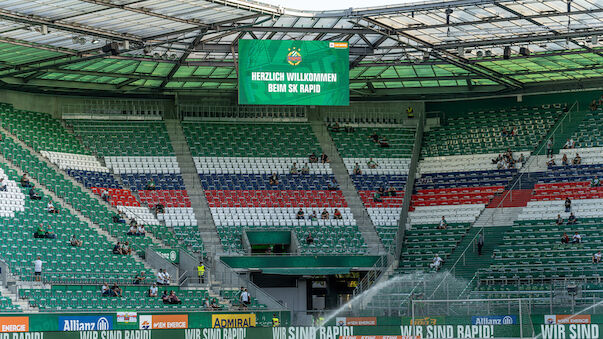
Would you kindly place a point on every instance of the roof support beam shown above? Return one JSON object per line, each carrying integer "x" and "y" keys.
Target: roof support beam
{"x": 182, "y": 59}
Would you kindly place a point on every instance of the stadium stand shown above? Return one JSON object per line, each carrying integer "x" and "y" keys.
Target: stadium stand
{"x": 235, "y": 161}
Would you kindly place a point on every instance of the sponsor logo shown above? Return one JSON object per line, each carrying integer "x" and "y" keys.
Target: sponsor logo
{"x": 338, "y": 44}
{"x": 494, "y": 320}
{"x": 85, "y": 323}
{"x": 357, "y": 321}
{"x": 294, "y": 57}
{"x": 126, "y": 317}
{"x": 14, "y": 324}
{"x": 166, "y": 321}
{"x": 424, "y": 321}
{"x": 232, "y": 320}
{"x": 562, "y": 319}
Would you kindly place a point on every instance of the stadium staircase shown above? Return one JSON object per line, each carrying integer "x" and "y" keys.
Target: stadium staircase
{"x": 365, "y": 224}
{"x": 207, "y": 228}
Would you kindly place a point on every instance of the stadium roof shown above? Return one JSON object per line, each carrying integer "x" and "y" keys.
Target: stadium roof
{"x": 189, "y": 45}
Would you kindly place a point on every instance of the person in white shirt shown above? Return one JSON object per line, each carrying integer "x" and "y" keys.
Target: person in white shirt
{"x": 153, "y": 290}
{"x": 105, "y": 289}
{"x": 569, "y": 144}
{"x": 50, "y": 207}
{"x": 141, "y": 230}
{"x": 166, "y": 277}
{"x": 245, "y": 298}
{"x": 436, "y": 262}
{"x": 577, "y": 238}
{"x": 160, "y": 277}
{"x": 38, "y": 268}
{"x": 443, "y": 224}
{"x": 2, "y": 185}
{"x": 597, "y": 257}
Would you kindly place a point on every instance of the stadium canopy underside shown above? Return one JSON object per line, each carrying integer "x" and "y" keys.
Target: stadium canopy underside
{"x": 163, "y": 47}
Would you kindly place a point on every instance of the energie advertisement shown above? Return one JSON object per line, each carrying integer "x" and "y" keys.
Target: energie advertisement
{"x": 277, "y": 72}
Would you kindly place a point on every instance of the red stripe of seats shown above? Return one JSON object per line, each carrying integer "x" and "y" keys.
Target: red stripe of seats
{"x": 168, "y": 198}
{"x": 274, "y": 198}
{"x": 367, "y": 199}
{"x": 118, "y": 196}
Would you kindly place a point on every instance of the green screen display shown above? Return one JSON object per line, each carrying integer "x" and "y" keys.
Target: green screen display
{"x": 277, "y": 72}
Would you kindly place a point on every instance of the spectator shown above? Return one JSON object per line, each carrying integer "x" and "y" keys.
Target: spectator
{"x": 381, "y": 190}
{"x": 105, "y": 195}
{"x": 313, "y": 216}
{"x": 25, "y": 180}
{"x": 357, "y": 170}
{"x": 126, "y": 249}
{"x": 564, "y": 160}
{"x": 597, "y": 257}
{"x": 577, "y": 238}
{"x": 245, "y": 298}
{"x": 595, "y": 182}
{"x": 33, "y": 195}
{"x": 564, "y": 238}
{"x": 313, "y": 158}
{"x": 324, "y": 158}
{"x": 214, "y": 304}
{"x": 324, "y": 214}
{"x": 2, "y": 185}
{"x": 568, "y": 204}
{"x": 335, "y": 127}
{"x": 40, "y": 233}
{"x": 549, "y": 148}
{"x": 38, "y": 268}
{"x": 593, "y": 105}
{"x": 105, "y": 290}
{"x": 577, "y": 159}
{"x": 305, "y": 169}
{"x": 50, "y": 208}
{"x": 571, "y": 220}
{"x": 391, "y": 192}
{"x": 374, "y": 137}
{"x": 512, "y": 132}
{"x": 161, "y": 278}
{"x": 118, "y": 219}
{"x": 569, "y": 144}
{"x": 173, "y": 299}
{"x": 551, "y": 163}
{"x": 443, "y": 224}
{"x": 159, "y": 208}
{"x": 117, "y": 248}
{"x": 300, "y": 214}
{"x": 309, "y": 239}
{"x": 139, "y": 278}
{"x": 332, "y": 185}
{"x": 153, "y": 291}
{"x": 337, "y": 214}
{"x": 559, "y": 220}
{"x": 167, "y": 279}
{"x": 165, "y": 296}
{"x": 383, "y": 142}
{"x": 116, "y": 290}
{"x": 371, "y": 163}
{"x": 522, "y": 159}
{"x": 293, "y": 169}
{"x": 273, "y": 179}
{"x": 133, "y": 230}
{"x": 49, "y": 233}
{"x": 377, "y": 197}
{"x": 497, "y": 159}
{"x": 141, "y": 231}
{"x": 480, "y": 243}
{"x": 436, "y": 263}
{"x": 75, "y": 242}
{"x": 150, "y": 185}
{"x": 504, "y": 132}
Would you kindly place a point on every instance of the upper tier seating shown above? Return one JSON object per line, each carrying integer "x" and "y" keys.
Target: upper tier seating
{"x": 358, "y": 144}
{"x": 480, "y": 132}
{"x": 589, "y": 132}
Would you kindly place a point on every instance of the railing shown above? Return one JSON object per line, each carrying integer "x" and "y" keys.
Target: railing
{"x": 87, "y": 278}
{"x": 116, "y": 109}
{"x": 242, "y": 113}
{"x": 372, "y": 276}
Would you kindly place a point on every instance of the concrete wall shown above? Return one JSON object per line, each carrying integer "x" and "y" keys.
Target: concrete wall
{"x": 295, "y": 298}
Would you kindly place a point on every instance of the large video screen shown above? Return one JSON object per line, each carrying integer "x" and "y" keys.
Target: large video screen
{"x": 278, "y": 72}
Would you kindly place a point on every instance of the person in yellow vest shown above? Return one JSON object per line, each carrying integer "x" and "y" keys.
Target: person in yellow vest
{"x": 410, "y": 112}
{"x": 201, "y": 272}
{"x": 275, "y": 321}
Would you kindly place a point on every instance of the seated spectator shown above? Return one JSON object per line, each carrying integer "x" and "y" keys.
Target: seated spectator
{"x": 105, "y": 290}
{"x": 49, "y": 233}
{"x": 117, "y": 249}
{"x": 116, "y": 290}
{"x": 559, "y": 220}
{"x": 371, "y": 163}
{"x": 75, "y": 242}
{"x": 383, "y": 142}
{"x": 324, "y": 158}
{"x": 125, "y": 248}
{"x": 305, "y": 169}
{"x": 522, "y": 159}
{"x": 374, "y": 137}
{"x": 25, "y": 180}
{"x": 133, "y": 230}
{"x": 595, "y": 182}
{"x": 564, "y": 160}
{"x": 214, "y": 304}
{"x": 436, "y": 263}
{"x": 118, "y": 219}
{"x": 324, "y": 214}
{"x": 332, "y": 185}
{"x": 313, "y": 216}
{"x": 139, "y": 278}
{"x": 150, "y": 185}
{"x": 564, "y": 239}
{"x": 273, "y": 179}
{"x": 337, "y": 214}
{"x": 597, "y": 257}
{"x": 577, "y": 160}
{"x": 357, "y": 170}
{"x": 335, "y": 127}
{"x": 377, "y": 197}
{"x": 293, "y": 169}
{"x": 2, "y": 185}
{"x": 173, "y": 299}
{"x": 159, "y": 208}
{"x": 512, "y": 132}
{"x": 33, "y": 195}
{"x": 40, "y": 232}
{"x": 300, "y": 214}
{"x": 391, "y": 192}
{"x": 309, "y": 239}
{"x": 497, "y": 159}
{"x": 141, "y": 231}
{"x": 571, "y": 220}
{"x": 443, "y": 224}
{"x": 568, "y": 205}
{"x": 381, "y": 190}
{"x": 569, "y": 144}
{"x": 50, "y": 208}
{"x": 133, "y": 222}
{"x": 105, "y": 195}
{"x": 313, "y": 158}
{"x": 551, "y": 163}
{"x": 504, "y": 132}
{"x": 593, "y": 105}
{"x": 165, "y": 296}
{"x": 152, "y": 290}
{"x": 576, "y": 238}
